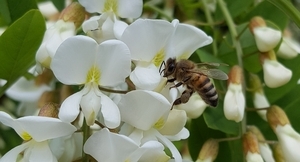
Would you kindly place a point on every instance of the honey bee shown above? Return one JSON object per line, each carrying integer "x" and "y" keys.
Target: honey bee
{"x": 195, "y": 77}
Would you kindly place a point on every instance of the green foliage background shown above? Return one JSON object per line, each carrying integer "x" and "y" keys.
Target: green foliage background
{"x": 26, "y": 27}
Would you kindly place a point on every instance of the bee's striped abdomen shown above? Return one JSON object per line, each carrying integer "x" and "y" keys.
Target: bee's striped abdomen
{"x": 207, "y": 91}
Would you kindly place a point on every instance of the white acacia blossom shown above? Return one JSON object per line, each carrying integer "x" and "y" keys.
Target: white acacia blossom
{"x": 275, "y": 74}
{"x": 35, "y": 131}
{"x": 107, "y": 25}
{"x": 146, "y": 116}
{"x": 81, "y": 60}
{"x": 288, "y": 49}
{"x": 109, "y": 147}
{"x": 234, "y": 101}
{"x": 153, "y": 41}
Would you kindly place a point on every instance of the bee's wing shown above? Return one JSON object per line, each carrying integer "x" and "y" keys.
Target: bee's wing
{"x": 211, "y": 73}
{"x": 209, "y": 65}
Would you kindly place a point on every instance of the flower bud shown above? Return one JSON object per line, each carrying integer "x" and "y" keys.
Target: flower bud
{"x": 259, "y": 98}
{"x": 250, "y": 147}
{"x": 47, "y": 96}
{"x": 73, "y": 13}
{"x": 194, "y": 107}
{"x": 276, "y": 116}
{"x": 234, "y": 102}
{"x": 264, "y": 148}
{"x": 44, "y": 78}
{"x": 255, "y": 22}
{"x": 49, "y": 110}
{"x": 288, "y": 49}
{"x": 266, "y": 38}
{"x": 278, "y": 154}
{"x": 288, "y": 138}
{"x": 275, "y": 74}
{"x": 65, "y": 92}
{"x": 209, "y": 151}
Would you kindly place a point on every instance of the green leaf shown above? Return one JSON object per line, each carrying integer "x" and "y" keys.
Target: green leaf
{"x": 4, "y": 13}
{"x": 288, "y": 8}
{"x": 199, "y": 133}
{"x": 215, "y": 119}
{"x": 235, "y": 7}
{"x": 18, "y": 8}
{"x": 18, "y": 45}
{"x": 59, "y": 4}
{"x": 269, "y": 12}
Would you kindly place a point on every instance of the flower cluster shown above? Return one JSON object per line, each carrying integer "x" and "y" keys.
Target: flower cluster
{"x": 110, "y": 54}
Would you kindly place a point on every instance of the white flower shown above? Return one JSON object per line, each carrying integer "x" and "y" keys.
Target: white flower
{"x": 234, "y": 102}
{"x": 167, "y": 40}
{"x": 253, "y": 157}
{"x": 53, "y": 37}
{"x": 194, "y": 107}
{"x": 112, "y": 147}
{"x": 275, "y": 74}
{"x": 288, "y": 49}
{"x": 121, "y": 8}
{"x": 35, "y": 131}
{"x": 145, "y": 113}
{"x": 266, "y": 152}
{"x": 104, "y": 27}
{"x": 81, "y": 60}
{"x": 289, "y": 141}
{"x": 260, "y": 101}
{"x": 266, "y": 38}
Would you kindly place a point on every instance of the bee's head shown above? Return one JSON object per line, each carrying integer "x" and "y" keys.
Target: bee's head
{"x": 170, "y": 66}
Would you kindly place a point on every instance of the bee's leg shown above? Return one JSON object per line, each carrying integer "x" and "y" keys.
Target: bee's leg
{"x": 171, "y": 80}
{"x": 180, "y": 83}
{"x": 184, "y": 98}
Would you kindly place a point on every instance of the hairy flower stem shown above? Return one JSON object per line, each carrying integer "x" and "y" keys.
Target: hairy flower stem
{"x": 239, "y": 52}
{"x": 86, "y": 135}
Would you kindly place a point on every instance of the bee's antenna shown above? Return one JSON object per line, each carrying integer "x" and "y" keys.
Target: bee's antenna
{"x": 162, "y": 70}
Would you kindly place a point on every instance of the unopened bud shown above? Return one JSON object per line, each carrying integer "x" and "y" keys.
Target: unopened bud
{"x": 235, "y": 75}
{"x": 251, "y": 148}
{"x": 48, "y": 96}
{"x": 256, "y": 21}
{"x": 65, "y": 92}
{"x": 73, "y": 13}
{"x": 255, "y": 83}
{"x": 278, "y": 154}
{"x": 49, "y": 110}
{"x": 209, "y": 151}
{"x": 44, "y": 78}
{"x": 256, "y": 132}
{"x": 276, "y": 116}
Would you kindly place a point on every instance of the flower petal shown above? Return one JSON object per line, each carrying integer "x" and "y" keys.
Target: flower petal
{"x": 130, "y": 8}
{"x": 69, "y": 109}
{"x": 106, "y": 146}
{"x": 110, "y": 112}
{"x": 142, "y": 109}
{"x": 234, "y": 103}
{"x": 73, "y": 59}
{"x": 175, "y": 122}
{"x": 275, "y": 74}
{"x": 145, "y": 38}
{"x": 266, "y": 38}
{"x": 42, "y": 128}
{"x": 92, "y": 5}
{"x": 119, "y": 28}
{"x": 41, "y": 152}
{"x": 12, "y": 154}
{"x": 146, "y": 78}
{"x": 186, "y": 40}
{"x": 114, "y": 61}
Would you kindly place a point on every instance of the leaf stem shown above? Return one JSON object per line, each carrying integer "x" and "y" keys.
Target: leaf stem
{"x": 4, "y": 88}
{"x": 237, "y": 45}
{"x": 211, "y": 24}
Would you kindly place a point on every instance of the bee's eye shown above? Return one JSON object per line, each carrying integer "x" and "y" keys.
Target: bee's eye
{"x": 171, "y": 67}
